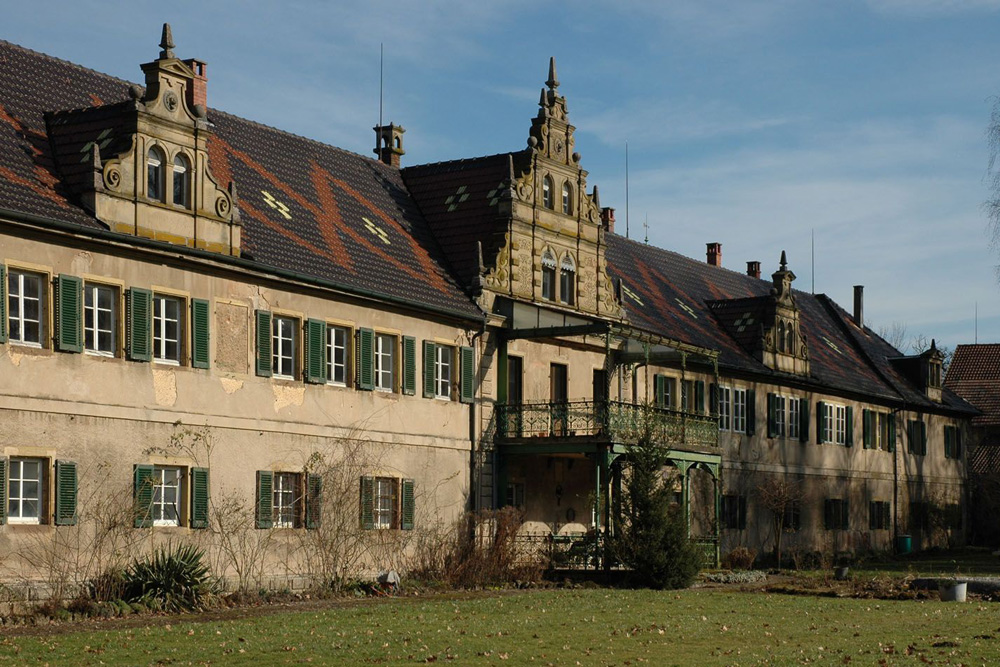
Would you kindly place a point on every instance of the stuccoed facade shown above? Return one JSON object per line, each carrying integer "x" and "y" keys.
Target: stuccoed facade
{"x": 213, "y": 328}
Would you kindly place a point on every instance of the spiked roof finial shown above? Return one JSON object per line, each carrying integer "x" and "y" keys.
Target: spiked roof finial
{"x": 553, "y": 82}
{"x": 167, "y": 42}
{"x": 784, "y": 261}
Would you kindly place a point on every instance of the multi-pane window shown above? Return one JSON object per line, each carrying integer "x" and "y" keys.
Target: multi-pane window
{"x": 443, "y": 364}
{"x": 836, "y": 515}
{"x": 567, "y": 280}
{"x": 100, "y": 317}
{"x": 287, "y": 499}
{"x": 779, "y": 416}
{"x": 167, "y": 327}
{"x": 687, "y": 395}
{"x": 952, "y": 442}
{"x": 515, "y": 495}
{"x": 567, "y": 199}
{"x": 725, "y": 408}
{"x": 154, "y": 174}
{"x": 386, "y": 508}
{"x": 166, "y": 496}
{"x": 792, "y": 516}
{"x": 547, "y": 193}
{"x": 385, "y": 362}
{"x": 25, "y": 308}
{"x": 794, "y": 417}
{"x": 734, "y": 512}
{"x": 548, "y": 276}
{"x": 879, "y": 515}
{"x": 740, "y": 410}
{"x": 834, "y": 423}
{"x": 182, "y": 181}
{"x": 24, "y": 490}
{"x": 284, "y": 333}
{"x": 336, "y": 355}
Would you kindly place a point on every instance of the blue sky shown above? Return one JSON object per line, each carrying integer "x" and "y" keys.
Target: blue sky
{"x": 758, "y": 124}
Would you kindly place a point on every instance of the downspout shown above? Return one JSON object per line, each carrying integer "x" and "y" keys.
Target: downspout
{"x": 474, "y": 440}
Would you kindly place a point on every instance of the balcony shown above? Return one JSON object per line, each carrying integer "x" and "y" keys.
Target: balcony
{"x": 612, "y": 421}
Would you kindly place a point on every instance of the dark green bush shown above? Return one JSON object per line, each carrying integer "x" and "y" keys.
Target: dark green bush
{"x": 173, "y": 579}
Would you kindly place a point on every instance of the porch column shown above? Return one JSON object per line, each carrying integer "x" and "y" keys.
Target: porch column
{"x": 718, "y": 508}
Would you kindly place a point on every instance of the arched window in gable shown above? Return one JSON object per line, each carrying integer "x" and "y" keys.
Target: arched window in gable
{"x": 781, "y": 336}
{"x": 548, "y": 275}
{"x": 790, "y": 340}
{"x": 567, "y": 199}
{"x": 154, "y": 174}
{"x": 567, "y": 280}
{"x": 547, "y": 192}
{"x": 182, "y": 181}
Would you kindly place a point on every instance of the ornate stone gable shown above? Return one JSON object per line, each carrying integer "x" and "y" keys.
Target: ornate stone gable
{"x": 784, "y": 346}
{"x": 148, "y": 159}
{"x": 554, "y": 248}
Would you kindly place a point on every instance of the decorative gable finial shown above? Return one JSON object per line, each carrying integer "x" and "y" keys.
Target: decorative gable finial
{"x": 784, "y": 262}
{"x": 166, "y": 42}
{"x": 553, "y": 82}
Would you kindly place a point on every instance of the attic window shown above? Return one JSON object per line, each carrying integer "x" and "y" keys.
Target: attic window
{"x": 781, "y": 336}
{"x": 154, "y": 174}
{"x": 567, "y": 199}
{"x": 547, "y": 193}
{"x": 182, "y": 181}
{"x": 548, "y": 275}
{"x": 934, "y": 374}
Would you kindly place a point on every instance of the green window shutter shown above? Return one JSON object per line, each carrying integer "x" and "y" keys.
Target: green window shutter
{"x": 820, "y": 421}
{"x": 845, "y": 514}
{"x": 142, "y": 494}
{"x": 772, "y": 416}
{"x": 923, "y": 437}
{"x": 866, "y": 428}
{"x": 315, "y": 352}
{"x": 366, "y": 359}
{"x": 751, "y": 411}
{"x": 429, "y": 348}
{"x": 3, "y": 490}
{"x": 368, "y": 503}
{"x": 947, "y": 442}
{"x": 3, "y": 331}
{"x": 265, "y": 499}
{"x": 66, "y": 491}
{"x": 69, "y": 313}
{"x": 911, "y": 436}
{"x": 699, "y": 396}
{"x": 314, "y": 501}
{"x": 139, "y": 330}
{"x": 408, "y": 505}
{"x": 828, "y": 514}
{"x": 199, "y": 497}
{"x": 804, "y": 420}
{"x": 409, "y": 365}
{"x": 957, "y": 430}
{"x": 660, "y": 390}
{"x": 671, "y": 385}
{"x": 264, "y": 360}
{"x": 468, "y": 362}
{"x": 892, "y": 432}
{"x": 200, "y": 328}
{"x": 742, "y": 519}
{"x": 873, "y": 511}
{"x": 849, "y": 427}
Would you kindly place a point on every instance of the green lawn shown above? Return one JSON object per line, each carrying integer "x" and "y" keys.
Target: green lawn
{"x": 562, "y": 627}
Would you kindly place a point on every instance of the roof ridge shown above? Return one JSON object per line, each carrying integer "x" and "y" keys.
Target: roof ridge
{"x": 465, "y": 159}
{"x": 62, "y": 61}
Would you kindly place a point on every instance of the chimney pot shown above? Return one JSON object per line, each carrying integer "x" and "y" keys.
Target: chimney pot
{"x": 608, "y": 219}
{"x": 753, "y": 269}
{"x": 859, "y": 306}
{"x": 714, "y": 253}
{"x": 197, "y": 91}
{"x": 389, "y": 144}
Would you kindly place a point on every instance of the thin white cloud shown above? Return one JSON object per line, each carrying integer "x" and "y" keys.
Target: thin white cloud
{"x": 932, "y": 8}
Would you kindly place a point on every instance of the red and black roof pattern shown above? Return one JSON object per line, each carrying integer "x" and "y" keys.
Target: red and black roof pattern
{"x": 974, "y": 374}
{"x": 305, "y": 207}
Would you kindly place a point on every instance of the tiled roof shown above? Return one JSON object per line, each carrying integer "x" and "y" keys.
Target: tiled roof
{"x": 974, "y": 374}
{"x": 306, "y": 207}
{"x": 694, "y": 302}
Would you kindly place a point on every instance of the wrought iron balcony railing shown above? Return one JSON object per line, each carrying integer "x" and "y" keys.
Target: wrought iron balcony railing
{"x": 621, "y": 422}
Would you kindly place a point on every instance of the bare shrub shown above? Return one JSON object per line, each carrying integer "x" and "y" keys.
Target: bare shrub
{"x": 740, "y": 558}
{"x": 779, "y": 495}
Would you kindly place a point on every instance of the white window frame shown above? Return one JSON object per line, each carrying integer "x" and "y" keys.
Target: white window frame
{"x": 16, "y": 483}
{"x": 780, "y": 416}
{"x": 567, "y": 280}
{"x": 16, "y": 301}
{"x": 724, "y": 405}
{"x": 161, "y": 322}
{"x": 836, "y": 424}
{"x": 181, "y": 174}
{"x": 286, "y": 499}
{"x": 284, "y": 329}
{"x": 444, "y": 364}
{"x": 739, "y": 410}
{"x": 93, "y": 332}
{"x": 385, "y": 362}
{"x": 794, "y": 421}
{"x": 156, "y": 174}
{"x": 163, "y": 485}
{"x": 385, "y": 503}
{"x": 547, "y": 195}
{"x": 337, "y": 347}
{"x": 567, "y": 199}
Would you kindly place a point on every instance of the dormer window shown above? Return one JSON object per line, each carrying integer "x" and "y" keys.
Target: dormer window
{"x": 781, "y": 336}
{"x": 547, "y": 193}
{"x": 934, "y": 374}
{"x": 548, "y": 276}
{"x": 567, "y": 199}
{"x": 567, "y": 280}
{"x": 182, "y": 181}
{"x": 154, "y": 174}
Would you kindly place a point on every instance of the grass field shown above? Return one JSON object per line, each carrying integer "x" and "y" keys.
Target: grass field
{"x": 559, "y": 627}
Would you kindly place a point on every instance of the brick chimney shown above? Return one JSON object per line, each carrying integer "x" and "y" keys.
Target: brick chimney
{"x": 608, "y": 219}
{"x": 389, "y": 144}
{"x": 714, "y": 253}
{"x": 859, "y": 306}
{"x": 753, "y": 269}
{"x": 197, "y": 92}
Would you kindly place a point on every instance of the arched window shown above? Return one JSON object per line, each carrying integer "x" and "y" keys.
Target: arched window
{"x": 789, "y": 340}
{"x": 567, "y": 199}
{"x": 567, "y": 280}
{"x": 547, "y": 193}
{"x": 548, "y": 275}
{"x": 182, "y": 181}
{"x": 154, "y": 174}
{"x": 781, "y": 336}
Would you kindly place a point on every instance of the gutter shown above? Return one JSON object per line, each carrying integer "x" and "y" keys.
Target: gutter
{"x": 247, "y": 265}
